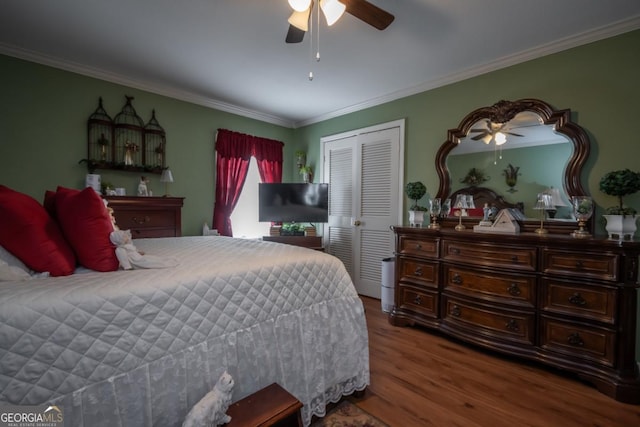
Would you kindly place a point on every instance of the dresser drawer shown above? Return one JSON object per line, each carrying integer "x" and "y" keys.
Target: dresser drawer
{"x": 148, "y": 216}
{"x": 418, "y": 300}
{"x": 586, "y": 301}
{"x": 585, "y": 342}
{"x": 492, "y": 322}
{"x": 422, "y": 248}
{"x": 419, "y": 272}
{"x": 511, "y": 257}
{"x": 584, "y": 264}
{"x": 145, "y": 219}
{"x": 505, "y": 288}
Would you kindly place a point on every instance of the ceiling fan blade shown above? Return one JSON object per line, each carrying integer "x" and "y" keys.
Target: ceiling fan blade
{"x": 480, "y": 136}
{"x": 294, "y": 35}
{"x": 514, "y": 134}
{"x": 369, "y": 13}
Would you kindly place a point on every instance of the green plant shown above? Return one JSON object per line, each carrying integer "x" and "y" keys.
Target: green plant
{"x": 620, "y": 183}
{"x": 92, "y": 165}
{"x": 415, "y": 191}
{"x": 305, "y": 169}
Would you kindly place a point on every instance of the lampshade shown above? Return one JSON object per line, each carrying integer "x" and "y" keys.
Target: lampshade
{"x": 555, "y": 197}
{"x": 470, "y": 203}
{"x": 166, "y": 176}
{"x": 544, "y": 201}
{"x": 300, "y": 20}
{"x": 332, "y": 10}
{"x": 300, "y": 5}
{"x": 461, "y": 201}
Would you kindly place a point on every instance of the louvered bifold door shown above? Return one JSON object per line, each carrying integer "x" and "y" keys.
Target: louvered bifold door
{"x": 340, "y": 156}
{"x": 363, "y": 180}
{"x": 377, "y": 208}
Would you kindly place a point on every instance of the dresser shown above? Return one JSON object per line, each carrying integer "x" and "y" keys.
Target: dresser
{"x": 148, "y": 216}
{"x": 565, "y": 302}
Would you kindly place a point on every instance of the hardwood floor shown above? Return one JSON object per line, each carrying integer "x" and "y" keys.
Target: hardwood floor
{"x": 419, "y": 378}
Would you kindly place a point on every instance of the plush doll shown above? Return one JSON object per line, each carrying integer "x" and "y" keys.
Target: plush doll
{"x": 130, "y": 257}
{"x": 211, "y": 409}
{"x": 142, "y": 187}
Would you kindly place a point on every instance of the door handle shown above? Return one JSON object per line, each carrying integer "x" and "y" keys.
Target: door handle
{"x": 357, "y": 223}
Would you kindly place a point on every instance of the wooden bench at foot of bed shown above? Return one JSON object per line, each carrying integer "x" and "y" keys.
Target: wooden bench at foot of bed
{"x": 271, "y": 406}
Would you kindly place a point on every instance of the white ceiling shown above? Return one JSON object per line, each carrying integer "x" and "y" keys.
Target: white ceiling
{"x": 231, "y": 54}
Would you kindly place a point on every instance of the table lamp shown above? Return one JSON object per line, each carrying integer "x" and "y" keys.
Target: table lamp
{"x": 166, "y": 177}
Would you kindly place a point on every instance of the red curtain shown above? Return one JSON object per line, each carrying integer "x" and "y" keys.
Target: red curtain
{"x": 233, "y": 153}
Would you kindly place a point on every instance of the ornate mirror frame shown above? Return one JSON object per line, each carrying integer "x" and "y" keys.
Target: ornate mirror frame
{"x": 502, "y": 112}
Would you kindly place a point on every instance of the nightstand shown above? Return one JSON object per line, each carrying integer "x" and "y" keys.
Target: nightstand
{"x": 148, "y": 216}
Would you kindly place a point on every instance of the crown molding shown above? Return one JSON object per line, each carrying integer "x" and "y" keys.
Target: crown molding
{"x": 597, "y": 34}
{"x": 158, "y": 89}
{"x": 601, "y": 33}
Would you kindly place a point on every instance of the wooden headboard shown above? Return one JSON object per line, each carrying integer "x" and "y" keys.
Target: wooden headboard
{"x": 482, "y": 195}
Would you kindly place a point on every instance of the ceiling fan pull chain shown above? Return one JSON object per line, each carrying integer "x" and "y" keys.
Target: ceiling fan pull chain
{"x": 311, "y": 45}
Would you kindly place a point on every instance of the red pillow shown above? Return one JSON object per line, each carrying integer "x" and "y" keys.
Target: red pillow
{"x": 29, "y": 233}
{"x": 86, "y": 225}
{"x": 49, "y": 203}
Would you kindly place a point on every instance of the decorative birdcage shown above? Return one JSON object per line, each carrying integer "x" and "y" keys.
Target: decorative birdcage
{"x": 154, "y": 145}
{"x": 128, "y": 137}
{"x": 100, "y": 137}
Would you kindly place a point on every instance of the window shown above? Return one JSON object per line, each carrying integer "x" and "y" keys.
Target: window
{"x": 245, "y": 216}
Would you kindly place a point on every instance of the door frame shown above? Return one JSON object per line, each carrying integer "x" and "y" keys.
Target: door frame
{"x": 400, "y": 123}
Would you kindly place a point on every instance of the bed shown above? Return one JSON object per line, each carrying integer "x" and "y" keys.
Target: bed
{"x": 141, "y": 347}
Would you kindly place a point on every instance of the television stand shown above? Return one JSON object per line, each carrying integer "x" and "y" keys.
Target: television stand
{"x": 312, "y": 242}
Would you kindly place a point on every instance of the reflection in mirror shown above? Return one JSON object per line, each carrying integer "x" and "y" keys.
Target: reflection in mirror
{"x": 511, "y": 152}
{"x": 518, "y": 160}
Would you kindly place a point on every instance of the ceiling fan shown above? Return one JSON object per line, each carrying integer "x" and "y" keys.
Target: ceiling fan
{"x": 492, "y": 131}
{"x": 333, "y": 10}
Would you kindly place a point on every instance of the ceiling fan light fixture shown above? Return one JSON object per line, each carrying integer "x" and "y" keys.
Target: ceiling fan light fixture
{"x": 300, "y": 20}
{"x": 500, "y": 138}
{"x": 332, "y": 10}
{"x": 300, "y": 5}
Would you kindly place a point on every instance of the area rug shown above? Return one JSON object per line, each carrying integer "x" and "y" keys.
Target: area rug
{"x": 346, "y": 414}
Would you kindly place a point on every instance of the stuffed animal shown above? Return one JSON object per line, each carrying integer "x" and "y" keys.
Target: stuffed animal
{"x": 126, "y": 252}
{"x": 211, "y": 409}
{"x": 142, "y": 187}
{"x": 130, "y": 257}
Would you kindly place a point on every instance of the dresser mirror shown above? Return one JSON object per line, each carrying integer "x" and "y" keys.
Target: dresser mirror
{"x": 506, "y": 154}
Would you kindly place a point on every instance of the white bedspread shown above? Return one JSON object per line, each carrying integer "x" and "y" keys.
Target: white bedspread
{"x": 141, "y": 347}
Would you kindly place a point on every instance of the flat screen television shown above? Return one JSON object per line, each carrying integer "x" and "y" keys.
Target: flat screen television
{"x": 293, "y": 202}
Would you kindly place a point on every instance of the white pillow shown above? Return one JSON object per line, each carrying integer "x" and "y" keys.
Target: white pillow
{"x": 12, "y": 260}
{"x": 12, "y": 273}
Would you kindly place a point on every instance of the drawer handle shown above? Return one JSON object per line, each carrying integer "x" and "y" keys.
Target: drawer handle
{"x": 514, "y": 290}
{"x": 141, "y": 220}
{"x": 455, "y": 311}
{"x": 456, "y": 279}
{"x": 579, "y": 264}
{"x": 455, "y": 251}
{"x": 575, "y": 340}
{"x": 418, "y": 272}
{"x": 512, "y": 325}
{"x": 418, "y": 246}
{"x": 514, "y": 259}
{"x": 417, "y": 300}
{"x": 576, "y": 299}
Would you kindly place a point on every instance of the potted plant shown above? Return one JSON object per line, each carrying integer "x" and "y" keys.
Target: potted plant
{"x": 301, "y": 158}
{"x": 621, "y": 219}
{"x": 415, "y": 191}
{"x": 307, "y": 173}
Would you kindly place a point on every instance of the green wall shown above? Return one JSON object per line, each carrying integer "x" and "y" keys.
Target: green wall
{"x": 43, "y": 130}
{"x": 599, "y": 82}
{"x": 43, "y": 113}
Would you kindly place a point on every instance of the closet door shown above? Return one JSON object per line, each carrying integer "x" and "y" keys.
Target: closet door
{"x": 363, "y": 171}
